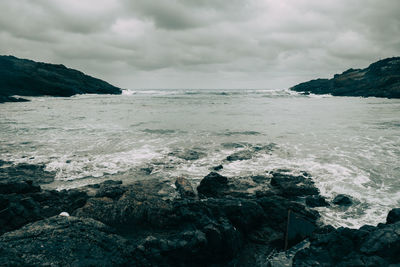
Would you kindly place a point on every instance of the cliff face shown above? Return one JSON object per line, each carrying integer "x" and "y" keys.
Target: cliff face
{"x": 29, "y": 78}
{"x": 380, "y": 79}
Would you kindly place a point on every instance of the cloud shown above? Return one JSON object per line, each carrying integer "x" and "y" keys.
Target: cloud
{"x": 209, "y": 43}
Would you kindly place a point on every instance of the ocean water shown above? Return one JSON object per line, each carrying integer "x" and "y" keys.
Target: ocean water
{"x": 349, "y": 145}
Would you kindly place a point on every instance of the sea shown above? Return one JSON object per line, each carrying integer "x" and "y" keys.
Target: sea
{"x": 349, "y": 145}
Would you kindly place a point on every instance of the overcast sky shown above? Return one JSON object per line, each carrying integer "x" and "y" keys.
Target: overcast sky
{"x": 202, "y": 43}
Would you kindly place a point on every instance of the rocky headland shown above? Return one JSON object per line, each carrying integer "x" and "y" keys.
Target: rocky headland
{"x": 263, "y": 220}
{"x": 380, "y": 79}
{"x": 23, "y": 77}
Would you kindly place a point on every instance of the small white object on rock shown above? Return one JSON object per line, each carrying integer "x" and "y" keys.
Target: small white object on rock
{"x": 66, "y": 214}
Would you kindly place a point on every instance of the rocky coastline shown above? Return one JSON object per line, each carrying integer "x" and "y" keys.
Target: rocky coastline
{"x": 380, "y": 79}
{"x": 224, "y": 221}
{"x": 23, "y": 77}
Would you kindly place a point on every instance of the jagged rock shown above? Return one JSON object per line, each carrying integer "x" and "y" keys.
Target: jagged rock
{"x": 240, "y": 155}
{"x": 218, "y": 168}
{"x": 110, "y": 189}
{"x": 393, "y": 216}
{"x": 367, "y": 246}
{"x": 298, "y": 229}
{"x": 142, "y": 203}
{"x": 316, "y": 201}
{"x": 22, "y": 187}
{"x": 234, "y": 145}
{"x": 64, "y": 241}
{"x": 23, "y": 171}
{"x": 12, "y": 99}
{"x": 212, "y": 185}
{"x": 184, "y": 187}
{"x": 32, "y": 204}
{"x": 293, "y": 186}
{"x": 384, "y": 242}
{"x": 188, "y": 154}
{"x": 342, "y": 200}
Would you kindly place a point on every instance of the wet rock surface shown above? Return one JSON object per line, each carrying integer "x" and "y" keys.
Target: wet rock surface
{"x": 235, "y": 221}
{"x": 25, "y": 202}
{"x": 293, "y": 186}
{"x": 64, "y": 241}
{"x": 212, "y": 185}
{"x": 23, "y": 171}
{"x": 342, "y": 200}
{"x": 367, "y": 246}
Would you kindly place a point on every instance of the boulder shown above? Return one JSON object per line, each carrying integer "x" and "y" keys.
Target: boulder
{"x": 212, "y": 185}
{"x": 184, "y": 187}
{"x": 342, "y": 200}
{"x": 23, "y": 172}
{"x": 240, "y": 155}
{"x": 384, "y": 242}
{"x": 316, "y": 201}
{"x": 64, "y": 241}
{"x": 393, "y": 216}
{"x": 18, "y": 187}
{"x": 31, "y": 204}
{"x": 293, "y": 186}
{"x": 188, "y": 154}
{"x": 367, "y": 246}
{"x": 218, "y": 167}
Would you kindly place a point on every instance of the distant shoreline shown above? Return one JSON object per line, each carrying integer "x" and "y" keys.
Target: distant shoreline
{"x": 380, "y": 79}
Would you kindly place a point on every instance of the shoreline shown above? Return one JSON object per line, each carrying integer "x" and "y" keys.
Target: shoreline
{"x": 225, "y": 222}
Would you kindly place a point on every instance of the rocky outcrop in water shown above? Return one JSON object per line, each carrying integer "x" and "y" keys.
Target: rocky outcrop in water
{"x": 380, "y": 79}
{"x": 29, "y": 78}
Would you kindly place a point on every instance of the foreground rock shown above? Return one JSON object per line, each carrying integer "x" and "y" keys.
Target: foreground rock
{"x": 367, "y": 246}
{"x": 24, "y": 202}
{"x": 380, "y": 79}
{"x": 233, "y": 222}
{"x": 29, "y": 78}
{"x": 64, "y": 241}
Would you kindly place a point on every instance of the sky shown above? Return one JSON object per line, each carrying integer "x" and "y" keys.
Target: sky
{"x": 137, "y": 44}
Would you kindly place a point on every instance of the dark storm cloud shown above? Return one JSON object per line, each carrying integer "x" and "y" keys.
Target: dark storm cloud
{"x": 209, "y": 43}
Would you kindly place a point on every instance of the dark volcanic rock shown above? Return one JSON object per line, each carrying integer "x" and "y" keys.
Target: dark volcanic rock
{"x": 316, "y": 201}
{"x": 293, "y": 186}
{"x": 188, "y": 154}
{"x": 29, "y": 78}
{"x": 393, "y": 216}
{"x": 23, "y": 171}
{"x": 218, "y": 168}
{"x": 64, "y": 241}
{"x": 12, "y": 99}
{"x": 342, "y": 200}
{"x": 184, "y": 187}
{"x": 212, "y": 185}
{"x": 298, "y": 229}
{"x": 367, "y": 246}
{"x": 162, "y": 230}
{"x": 380, "y": 79}
{"x": 110, "y": 189}
{"x": 240, "y": 155}
{"x": 22, "y": 203}
{"x": 22, "y": 187}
